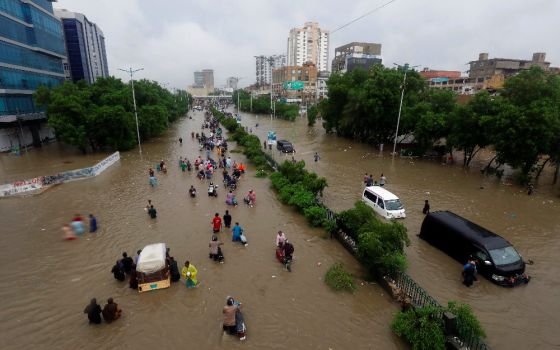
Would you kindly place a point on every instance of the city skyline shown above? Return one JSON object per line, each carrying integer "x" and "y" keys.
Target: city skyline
{"x": 438, "y": 34}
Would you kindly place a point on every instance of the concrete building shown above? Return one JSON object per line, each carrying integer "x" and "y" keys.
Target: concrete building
{"x": 264, "y": 66}
{"x": 85, "y": 46}
{"x": 231, "y": 83}
{"x": 203, "y": 83}
{"x": 484, "y": 68}
{"x": 285, "y": 81}
{"x": 322, "y": 90}
{"x": 354, "y": 55}
{"x": 309, "y": 44}
{"x": 31, "y": 54}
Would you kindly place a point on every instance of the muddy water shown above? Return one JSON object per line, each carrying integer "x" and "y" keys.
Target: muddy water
{"x": 520, "y": 318}
{"x": 46, "y": 282}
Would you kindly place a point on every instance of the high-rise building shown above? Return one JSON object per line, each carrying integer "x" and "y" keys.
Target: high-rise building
{"x": 231, "y": 83}
{"x": 31, "y": 53}
{"x": 265, "y": 65}
{"x": 85, "y": 45}
{"x": 208, "y": 79}
{"x": 354, "y": 55}
{"x": 309, "y": 44}
{"x": 198, "y": 79}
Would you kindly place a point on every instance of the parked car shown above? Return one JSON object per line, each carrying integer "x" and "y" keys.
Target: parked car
{"x": 383, "y": 202}
{"x": 496, "y": 258}
{"x": 285, "y": 146}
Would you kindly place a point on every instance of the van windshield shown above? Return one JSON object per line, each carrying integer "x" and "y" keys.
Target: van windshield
{"x": 504, "y": 256}
{"x": 393, "y": 204}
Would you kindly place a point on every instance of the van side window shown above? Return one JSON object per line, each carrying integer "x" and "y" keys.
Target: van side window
{"x": 481, "y": 255}
{"x": 380, "y": 203}
{"x": 370, "y": 196}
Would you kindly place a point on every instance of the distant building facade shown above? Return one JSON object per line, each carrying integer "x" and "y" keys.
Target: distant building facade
{"x": 485, "y": 68}
{"x": 31, "y": 55}
{"x": 85, "y": 46}
{"x": 285, "y": 76}
{"x": 203, "y": 83}
{"x": 309, "y": 44}
{"x": 264, "y": 66}
{"x": 322, "y": 89}
{"x": 354, "y": 55}
{"x": 231, "y": 83}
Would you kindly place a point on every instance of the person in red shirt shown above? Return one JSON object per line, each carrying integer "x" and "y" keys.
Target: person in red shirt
{"x": 217, "y": 223}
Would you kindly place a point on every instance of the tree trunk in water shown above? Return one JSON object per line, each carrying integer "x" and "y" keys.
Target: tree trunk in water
{"x": 556, "y": 173}
{"x": 489, "y": 163}
{"x": 540, "y": 170}
{"x": 472, "y": 156}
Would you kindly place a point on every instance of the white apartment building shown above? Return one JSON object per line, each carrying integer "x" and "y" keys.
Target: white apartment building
{"x": 265, "y": 65}
{"x": 309, "y": 44}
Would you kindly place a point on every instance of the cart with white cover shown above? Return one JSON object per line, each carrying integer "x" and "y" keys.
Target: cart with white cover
{"x": 152, "y": 269}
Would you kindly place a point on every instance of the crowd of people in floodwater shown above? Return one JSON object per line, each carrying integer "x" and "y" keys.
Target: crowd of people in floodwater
{"x": 213, "y": 161}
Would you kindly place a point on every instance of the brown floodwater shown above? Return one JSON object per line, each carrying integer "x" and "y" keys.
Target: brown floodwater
{"x": 520, "y": 318}
{"x": 46, "y": 282}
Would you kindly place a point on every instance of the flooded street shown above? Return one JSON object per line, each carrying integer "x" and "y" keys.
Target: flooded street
{"x": 46, "y": 282}
{"x": 520, "y": 318}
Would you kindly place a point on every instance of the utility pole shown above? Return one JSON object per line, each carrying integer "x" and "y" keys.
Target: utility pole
{"x": 400, "y": 105}
{"x": 131, "y": 72}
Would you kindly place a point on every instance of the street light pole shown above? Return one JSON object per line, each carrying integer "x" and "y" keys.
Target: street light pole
{"x": 400, "y": 107}
{"x": 131, "y": 72}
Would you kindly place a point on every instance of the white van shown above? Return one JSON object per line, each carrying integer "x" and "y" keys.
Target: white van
{"x": 383, "y": 202}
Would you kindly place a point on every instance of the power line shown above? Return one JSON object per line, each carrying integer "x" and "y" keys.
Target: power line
{"x": 362, "y": 16}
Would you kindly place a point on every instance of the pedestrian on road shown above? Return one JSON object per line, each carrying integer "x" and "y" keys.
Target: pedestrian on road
{"x": 181, "y": 140}
{"x": 92, "y": 223}
{"x": 189, "y": 272}
{"x": 118, "y": 271}
{"x": 216, "y": 223}
{"x": 382, "y": 180}
{"x": 316, "y": 157}
{"x": 369, "y": 181}
{"x": 93, "y": 310}
{"x": 153, "y": 212}
{"x": 111, "y": 311}
{"x": 426, "y": 208}
{"x": 227, "y": 219}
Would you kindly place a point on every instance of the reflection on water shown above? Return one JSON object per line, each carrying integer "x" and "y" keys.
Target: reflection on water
{"x": 46, "y": 282}
{"x": 520, "y": 318}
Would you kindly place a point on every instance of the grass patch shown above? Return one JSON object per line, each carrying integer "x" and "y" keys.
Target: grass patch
{"x": 339, "y": 279}
{"x": 237, "y": 150}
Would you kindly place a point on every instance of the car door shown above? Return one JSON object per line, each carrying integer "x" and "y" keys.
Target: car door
{"x": 484, "y": 263}
{"x": 381, "y": 207}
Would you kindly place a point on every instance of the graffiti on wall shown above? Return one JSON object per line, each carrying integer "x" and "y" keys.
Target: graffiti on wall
{"x": 35, "y": 184}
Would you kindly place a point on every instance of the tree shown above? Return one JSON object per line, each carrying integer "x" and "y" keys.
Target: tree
{"x": 100, "y": 115}
{"x": 470, "y": 125}
{"x": 529, "y": 119}
{"x": 364, "y": 105}
{"x": 312, "y": 115}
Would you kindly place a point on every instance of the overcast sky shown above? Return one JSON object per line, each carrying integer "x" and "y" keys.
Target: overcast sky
{"x": 172, "y": 38}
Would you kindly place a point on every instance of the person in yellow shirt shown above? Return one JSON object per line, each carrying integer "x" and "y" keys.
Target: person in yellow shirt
{"x": 189, "y": 272}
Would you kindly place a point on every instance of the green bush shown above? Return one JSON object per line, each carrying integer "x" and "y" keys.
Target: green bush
{"x": 338, "y": 279}
{"x": 278, "y": 181}
{"x": 329, "y": 225}
{"x": 421, "y": 327}
{"x": 260, "y": 173}
{"x": 315, "y": 215}
{"x": 301, "y": 198}
{"x": 467, "y": 323}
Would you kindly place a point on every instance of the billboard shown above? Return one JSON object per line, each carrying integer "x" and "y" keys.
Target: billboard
{"x": 293, "y": 85}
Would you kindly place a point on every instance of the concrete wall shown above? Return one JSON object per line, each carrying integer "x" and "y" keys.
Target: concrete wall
{"x": 10, "y": 137}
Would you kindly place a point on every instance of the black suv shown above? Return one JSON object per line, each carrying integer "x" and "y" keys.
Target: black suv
{"x": 285, "y": 146}
{"x": 462, "y": 239}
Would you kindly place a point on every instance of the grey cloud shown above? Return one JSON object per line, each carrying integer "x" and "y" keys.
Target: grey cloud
{"x": 172, "y": 38}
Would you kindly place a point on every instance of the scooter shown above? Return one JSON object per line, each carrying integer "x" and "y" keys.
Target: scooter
{"x": 212, "y": 190}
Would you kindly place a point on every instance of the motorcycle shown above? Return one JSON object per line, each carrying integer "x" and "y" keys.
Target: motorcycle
{"x": 212, "y": 190}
